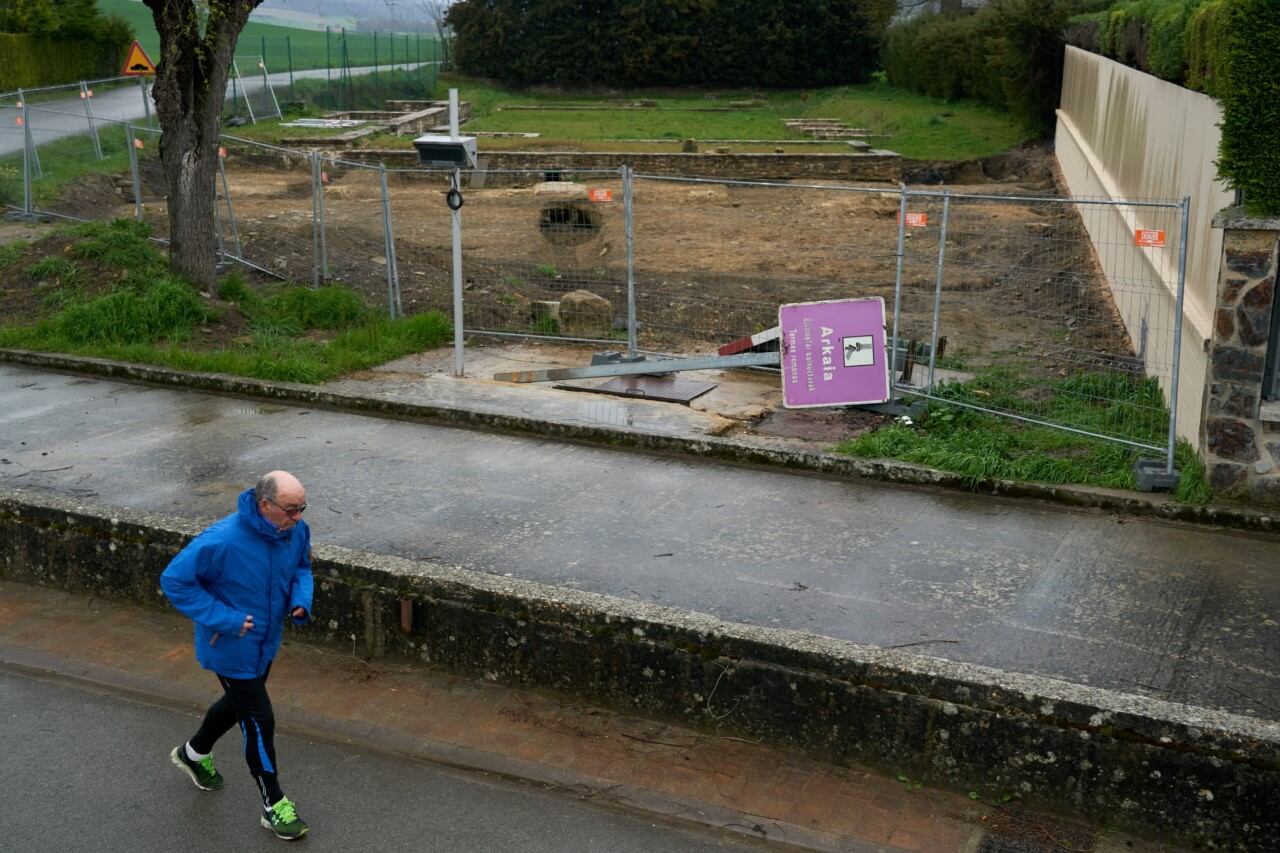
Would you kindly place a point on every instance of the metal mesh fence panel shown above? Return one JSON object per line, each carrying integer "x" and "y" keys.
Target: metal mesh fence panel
{"x": 12, "y": 143}
{"x": 423, "y": 235}
{"x": 250, "y": 96}
{"x": 1033, "y": 329}
{"x": 354, "y": 228}
{"x": 64, "y": 143}
{"x": 151, "y": 187}
{"x": 545, "y": 254}
{"x": 715, "y": 259}
{"x": 270, "y": 197}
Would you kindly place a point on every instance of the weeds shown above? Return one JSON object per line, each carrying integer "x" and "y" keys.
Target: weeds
{"x": 978, "y": 446}
{"x": 10, "y": 252}
{"x": 53, "y": 268}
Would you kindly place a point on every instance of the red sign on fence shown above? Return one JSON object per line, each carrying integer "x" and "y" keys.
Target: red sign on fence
{"x": 917, "y": 220}
{"x": 598, "y": 194}
{"x": 1148, "y": 237}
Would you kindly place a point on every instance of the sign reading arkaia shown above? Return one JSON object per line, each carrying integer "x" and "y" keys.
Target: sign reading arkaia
{"x": 833, "y": 353}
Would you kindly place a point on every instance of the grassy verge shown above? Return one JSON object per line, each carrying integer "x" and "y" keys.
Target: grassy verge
{"x": 145, "y": 315}
{"x": 977, "y": 445}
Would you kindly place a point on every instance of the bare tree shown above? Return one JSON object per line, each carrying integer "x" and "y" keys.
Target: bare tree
{"x": 197, "y": 43}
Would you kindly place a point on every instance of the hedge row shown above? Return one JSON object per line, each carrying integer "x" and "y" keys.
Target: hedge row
{"x": 31, "y": 61}
{"x": 1007, "y": 53}
{"x": 639, "y": 43}
{"x": 1226, "y": 48}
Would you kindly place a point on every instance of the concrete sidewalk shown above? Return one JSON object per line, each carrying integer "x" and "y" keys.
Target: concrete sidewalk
{"x": 586, "y": 752}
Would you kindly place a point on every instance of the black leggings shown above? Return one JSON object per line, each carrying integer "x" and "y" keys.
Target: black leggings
{"x": 245, "y": 701}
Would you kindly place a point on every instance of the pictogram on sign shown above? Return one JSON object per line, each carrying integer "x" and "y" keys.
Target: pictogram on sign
{"x": 917, "y": 220}
{"x": 599, "y": 194}
{"x": 1148, "y": 237}
{"x": 137, "y": 63}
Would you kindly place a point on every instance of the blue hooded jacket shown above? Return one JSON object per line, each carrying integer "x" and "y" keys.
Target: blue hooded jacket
{"x": 238, "y": 566}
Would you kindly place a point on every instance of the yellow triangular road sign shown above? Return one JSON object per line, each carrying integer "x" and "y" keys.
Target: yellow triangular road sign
{"x": 137, "y": 63}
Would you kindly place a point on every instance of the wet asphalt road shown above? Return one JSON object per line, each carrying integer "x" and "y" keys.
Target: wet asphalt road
{"x": 1142, "y": 606}
{"x": 91, "y": 771}
{"x": 54, "y": 119}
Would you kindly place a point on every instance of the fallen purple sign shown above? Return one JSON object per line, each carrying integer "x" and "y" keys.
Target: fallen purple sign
{"x": 833, "y": 353}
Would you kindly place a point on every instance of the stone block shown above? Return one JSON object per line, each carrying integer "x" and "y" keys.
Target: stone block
{"x": 1231, "y": 439}
{"x": 584, "y": 313}
{"x": 1226, "y": 478}
{"x": 1224, "y": 324}
{"x": 1232, "y": 364}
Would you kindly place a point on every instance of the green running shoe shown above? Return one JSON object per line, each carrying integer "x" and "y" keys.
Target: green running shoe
{"x": 282, "y": 819}
{"x": 201, "y": 772}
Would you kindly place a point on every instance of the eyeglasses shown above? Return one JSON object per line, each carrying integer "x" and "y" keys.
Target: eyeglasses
{"x": 289, "y": 510}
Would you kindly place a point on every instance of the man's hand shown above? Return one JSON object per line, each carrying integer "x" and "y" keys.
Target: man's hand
{"x": 248, "y": 624}
{"x": 299, "y": 612}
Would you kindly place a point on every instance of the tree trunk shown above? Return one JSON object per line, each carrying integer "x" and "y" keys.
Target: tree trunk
{"x": 190, "y": 87}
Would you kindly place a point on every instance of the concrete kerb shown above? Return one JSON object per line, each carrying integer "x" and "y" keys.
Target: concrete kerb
{"x": 737, "y": 450}
{"x": 1210, "y": 777}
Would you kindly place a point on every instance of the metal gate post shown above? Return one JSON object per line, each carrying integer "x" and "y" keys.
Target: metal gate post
{"x": 628, "y": 209}
{"x": 29, "y": 139}
{"x": 133, "y": 171}
{"x": 897, "y": 281}
{"x": 458, "y": 331}
{"x": 85, "y": 95}
{"x": 146, "y": 99}
{"x": 27, "y": 151}
{"x": 231, "y": 212}
{"x": 395, "y": 309}
{"x": 317, "y": 225}
{"x": 937, "y": 288}
{"x": 1184, "y": 210}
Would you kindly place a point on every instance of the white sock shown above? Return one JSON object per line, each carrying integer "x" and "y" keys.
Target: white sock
{"x": 192, "y": 754}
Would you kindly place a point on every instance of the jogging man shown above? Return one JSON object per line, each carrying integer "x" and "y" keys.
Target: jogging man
{"x": 238, "y": 581}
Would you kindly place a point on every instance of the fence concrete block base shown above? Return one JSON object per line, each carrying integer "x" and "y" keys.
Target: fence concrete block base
{"x": 1205, "y": 776}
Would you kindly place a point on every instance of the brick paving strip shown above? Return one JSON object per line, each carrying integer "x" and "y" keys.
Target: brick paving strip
{"x": 661, "y": 770}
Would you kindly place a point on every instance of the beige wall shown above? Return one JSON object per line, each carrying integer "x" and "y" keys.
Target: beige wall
{"x": 1123, "y": 134}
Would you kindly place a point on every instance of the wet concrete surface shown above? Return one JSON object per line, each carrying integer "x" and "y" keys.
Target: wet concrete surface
{"x": 1176, "y": 612}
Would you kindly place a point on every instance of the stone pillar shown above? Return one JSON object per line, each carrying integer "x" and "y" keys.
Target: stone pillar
{"x": 1240, "y": 433}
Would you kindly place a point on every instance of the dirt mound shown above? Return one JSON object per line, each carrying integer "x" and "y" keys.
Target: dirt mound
{"x": 1029, "y": 167}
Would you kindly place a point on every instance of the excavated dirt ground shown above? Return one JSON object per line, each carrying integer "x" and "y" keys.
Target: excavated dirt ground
{"x": 712, "y": 261}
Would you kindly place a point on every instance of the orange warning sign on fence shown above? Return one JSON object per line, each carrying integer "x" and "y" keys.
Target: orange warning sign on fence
{"x": 137, "y": 63}
{"x": 1148, "y": 237}
{"x": 596, "y": 194}
{"x": 917, "y": 220}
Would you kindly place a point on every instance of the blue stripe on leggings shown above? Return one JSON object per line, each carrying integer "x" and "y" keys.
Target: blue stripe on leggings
{"x": 262, "y": 750}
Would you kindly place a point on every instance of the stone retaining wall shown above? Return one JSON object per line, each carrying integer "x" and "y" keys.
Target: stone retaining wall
{"x": 1207, "y": 776}
{"x": 875, "y": 167}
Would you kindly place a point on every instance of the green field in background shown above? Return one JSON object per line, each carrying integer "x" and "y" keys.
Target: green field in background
{"x": 307, "y": 46}
{"x": 915, "y": 126}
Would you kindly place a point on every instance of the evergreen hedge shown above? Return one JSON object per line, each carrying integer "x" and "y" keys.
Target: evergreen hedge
{"x": 641, "y": 43}
{"x": 1229, "y": 49}
{"x": 1246, "y": 79}
{"x": 31, "y": 61}
{"x": 1007, "y": 53}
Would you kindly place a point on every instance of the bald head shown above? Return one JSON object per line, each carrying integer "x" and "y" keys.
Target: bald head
{"x": 281, "y": 498}
{"x": 275, "y": 483}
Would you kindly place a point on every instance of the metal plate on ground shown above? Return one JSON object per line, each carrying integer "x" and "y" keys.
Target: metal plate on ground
{"x": 663, "y": 388}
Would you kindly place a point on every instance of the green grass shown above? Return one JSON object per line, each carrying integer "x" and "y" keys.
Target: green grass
{"x": 915, "y": 126}
{"x": 978, "y": 446}
{"x": 10, "y": 252}
{"x": 147, "y": 316}
{"x": 307, "y": 46}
